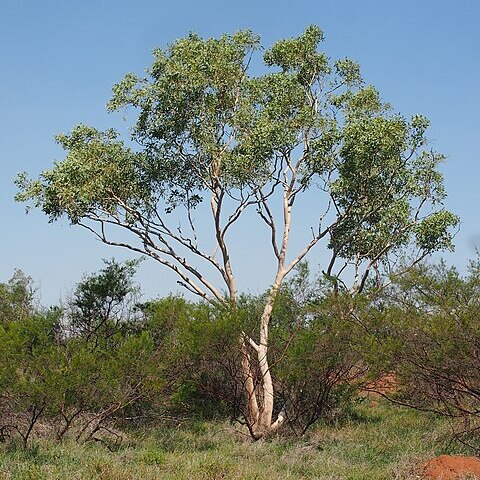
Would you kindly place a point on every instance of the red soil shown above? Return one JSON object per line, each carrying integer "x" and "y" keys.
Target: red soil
{"x": 386, "y": 385}
{"x": 450, "y": 467}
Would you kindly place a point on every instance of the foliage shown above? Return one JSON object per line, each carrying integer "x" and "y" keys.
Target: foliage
{"x": 206, "y": 128}
{"x": 182, "y": 357}
{"x": 198, "y": 344}
{"x": 104, "y": 303}
{"x": 51, "y": 374}
{"x": 31, "y": 366}
{"x": 317, "y": 362}
{"x": 212, "y": 140}
{"x": 16, "y": 297}
{"x": 426, "y": 329}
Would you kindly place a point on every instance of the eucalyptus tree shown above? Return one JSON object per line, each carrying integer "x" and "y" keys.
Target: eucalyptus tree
{"x": 213, "y": 133}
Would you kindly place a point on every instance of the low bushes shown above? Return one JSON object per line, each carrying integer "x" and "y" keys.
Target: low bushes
{"x": 104, "y": 361}
{"x": 426, "y": 328}
{"x": 316, "y": 365}
{"x": 53, "y": 381}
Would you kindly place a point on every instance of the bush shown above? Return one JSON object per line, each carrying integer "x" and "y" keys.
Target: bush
{"x": 84, "y": 379}
{"x": 426, "y": 328}
{"x": 318, "y": 359}
{"x": 198, "y": 344}
{"x": 31, "y": 367}
{"x": 316, "y": 362}
{"x": 105, "y": 361}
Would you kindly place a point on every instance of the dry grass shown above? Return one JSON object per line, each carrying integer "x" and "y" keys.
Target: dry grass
{"x": 378, "y": 442}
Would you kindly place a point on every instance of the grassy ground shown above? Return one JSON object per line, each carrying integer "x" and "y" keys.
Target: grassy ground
{"x": 380, "y": 442}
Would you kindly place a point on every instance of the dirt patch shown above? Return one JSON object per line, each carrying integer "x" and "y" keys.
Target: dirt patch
{"x": 452, "y": 467}
{"x": 385, "y": 385}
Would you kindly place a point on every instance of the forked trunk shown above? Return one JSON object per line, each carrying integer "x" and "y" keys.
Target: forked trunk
{"x": 260, "y": 398}
{"x": 252, "y": 414}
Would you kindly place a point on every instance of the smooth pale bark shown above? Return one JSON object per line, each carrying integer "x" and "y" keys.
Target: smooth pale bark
{"x": 267, "y": 383}
{"x": 265, "y": 424}
{"x": 252, "y": 414}
{"x": 260, "y": 418}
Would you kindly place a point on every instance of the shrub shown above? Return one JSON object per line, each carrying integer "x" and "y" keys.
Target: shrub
{"x": 426, "y": 328}
{"x": 318, "y": 357}
{"x": 84, "y": 379}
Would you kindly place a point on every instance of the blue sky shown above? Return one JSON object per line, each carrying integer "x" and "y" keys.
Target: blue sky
{"x": 59, "y": 60}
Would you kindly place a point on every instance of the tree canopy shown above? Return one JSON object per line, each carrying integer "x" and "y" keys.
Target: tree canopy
{"x": 212, "y": 131}
{"x": 207, "y": 127}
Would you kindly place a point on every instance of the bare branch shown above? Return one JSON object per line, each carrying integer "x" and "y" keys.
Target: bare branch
{"x": 153, "y": 254}
{"x": 252, "y": 342}
{"x": 269, "y": 220}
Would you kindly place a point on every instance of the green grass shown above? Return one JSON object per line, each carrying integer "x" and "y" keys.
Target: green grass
{"x": 378, "y": 442}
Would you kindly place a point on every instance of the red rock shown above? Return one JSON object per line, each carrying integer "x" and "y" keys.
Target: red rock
{"x": 450, "y": 467}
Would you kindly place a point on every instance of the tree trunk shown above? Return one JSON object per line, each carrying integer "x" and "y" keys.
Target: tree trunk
{"x": 265, "y": 391}
{"x": 252, "y": 414}
{"x": 260, "y": 418}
